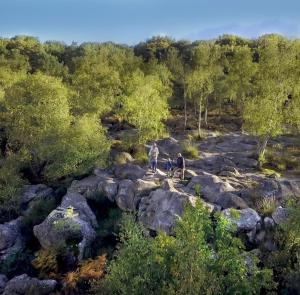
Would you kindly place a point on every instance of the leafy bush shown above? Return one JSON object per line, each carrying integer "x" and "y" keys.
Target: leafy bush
{"x": 189, "y": 150}
{"x": 141, "y": 155}
{"x": 46, "y": 262}
{"x": 58, "y": 143}
{"x": 266, "y": 205}
{"x": 201, "y": 259}
{"x": 286, "y": 259}
{"x": 38, "y": 211}
{"x": 86, "y": 272}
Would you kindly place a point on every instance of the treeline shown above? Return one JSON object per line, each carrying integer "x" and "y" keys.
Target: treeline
{"x": 53, "y": 97}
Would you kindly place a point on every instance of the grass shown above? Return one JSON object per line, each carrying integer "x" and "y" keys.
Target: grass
{"x": 189, "y": 150}
{"x": 270, "y": 172}
{"x": 140, "y": 155}
{"x": 266, "y": 205}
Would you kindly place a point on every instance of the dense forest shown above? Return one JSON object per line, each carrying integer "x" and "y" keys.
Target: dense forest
{"x": 59, "y": 108}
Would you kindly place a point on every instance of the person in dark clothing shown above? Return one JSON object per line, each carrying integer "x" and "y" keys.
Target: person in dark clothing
{"x": 180, "y": 166}
{"x": 169, "y": 167}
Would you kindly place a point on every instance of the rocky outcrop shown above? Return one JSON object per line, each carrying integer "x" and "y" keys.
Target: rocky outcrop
{"x": 230, "y": 200}
{"x": 144, "y": 187}
{"x": 211, "y": 186}
{"x": 35, "y": 192}
{"x": 129, "y": 171}
{"x": 87, "y": 186}
{"x": 11, "y": 239}
{"x": 280, "y": 215}
{"x": 161, "y": 208}
{"x": 72, "y": 221}
{"x": 125, "y": 198}
{"x": 278, "y": 188}
{"x": 23, "y": 285}
{"x": 245, "y": 219}
{"x": 108, "y": 187}
{"x": 3, "y": 281}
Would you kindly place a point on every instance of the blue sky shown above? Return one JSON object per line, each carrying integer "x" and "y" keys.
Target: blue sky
{"x": 132, "y": 21}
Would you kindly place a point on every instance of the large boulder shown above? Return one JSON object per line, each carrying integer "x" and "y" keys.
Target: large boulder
{"x": 212, "y": 163}
{"x": 169, "y": 147}
{"x": 72, "y": 221}
{"x": 230, "y": 200}
{"x": 35, "y": 192}
{"x": 144, "y": 187}
{"x": 87, "y": 186}
{"x": 278, "y": 188}
{"x": 211, "y": 186}
{"x": 245, "y": 219}
{"x": 129, "y": 171}
{"x": 11, "y": 239}
{"x": 280, "y": 215}
{"x": 125, "y": 197}
{"x": 159, "y": 210}
{"x": 23, "y": 285}
{"x": 108, "y": 187}
{"x": 3, "y": 281}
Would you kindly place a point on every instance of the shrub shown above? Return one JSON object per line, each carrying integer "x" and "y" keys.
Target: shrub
{"x": 46, "y": 263}
{"x": 197, "y": 189}
{"x": 189, "y": 150}
{"x": 38, "y": 211}
{"x": 203, "y": 258}
{"x": 141, "y": 155}
{"x": 87, "y": 272}
{"x": 285, "y": 260}
{"x": 266, "y": 205}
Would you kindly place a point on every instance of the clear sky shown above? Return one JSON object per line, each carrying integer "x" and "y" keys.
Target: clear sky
{"x": 132, "y": 21}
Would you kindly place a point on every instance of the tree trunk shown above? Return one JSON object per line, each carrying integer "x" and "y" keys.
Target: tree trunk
{"x": 185, "y": 113}
{"x": 206, "y": 111}
{"x": 199, "y": 117}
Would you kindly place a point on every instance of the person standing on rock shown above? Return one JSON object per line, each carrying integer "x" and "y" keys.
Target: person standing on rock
{"x": 180, "y": 166}
{"x": 153, "y": 155}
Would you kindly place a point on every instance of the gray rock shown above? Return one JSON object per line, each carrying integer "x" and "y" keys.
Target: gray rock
{"x": 109, "y": 188}
{"x": 87, "y": 186}
{"x": 278, "y": 188}
{"x": 3, "y": 281}
{"x": 23, "y": 284}
{"x": 246, "y": 221}
{"x": 211, "y": 186}
{"x": 280, "y": 215}
{"x": 125, "y": 198}
{"x": 189, "y": 174}
{"x": 161, "y": 208}
{"x": 168, "y": 184}
{"x": 11, "y": 239}
{"x": 260, "y": 237}
{"x": 129, "y": 171}
{"x": 35, "y": 192}
{"x": 230, "y": 200}
{"x": 144, "y": 187}
{"x": 169, "y": 147}
{"x": 245, "y": 162}
{"x": 72, "y": 220}
{"x": 269, "y": 223}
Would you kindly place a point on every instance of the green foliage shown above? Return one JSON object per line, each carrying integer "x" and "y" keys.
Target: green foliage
{"x": 38, "y": 211}
{"x": 11, "y": 181}
{"x": 38, "y": 120}
{"x": 189, "y": 150}
{"x": 201, "y": 259}
{"x": 266, "y": 205}
{"x": 197, "y": 189}
{"x": 286, "y": 259}
{"x": 145, "y": 106}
